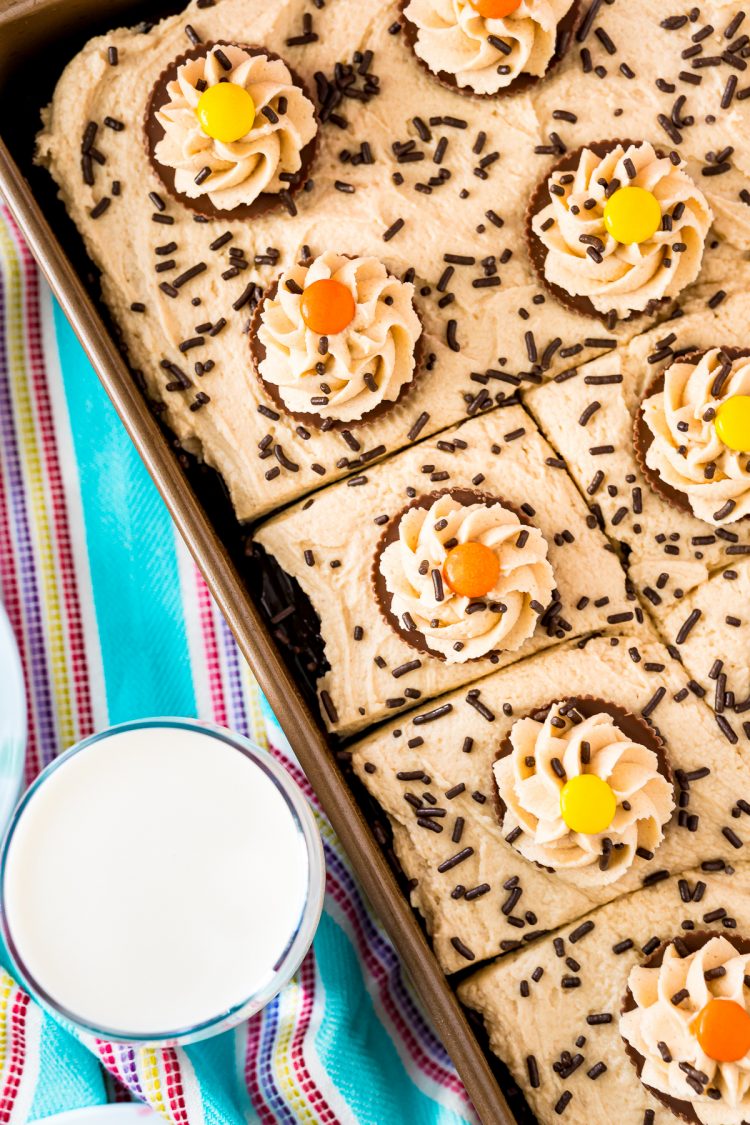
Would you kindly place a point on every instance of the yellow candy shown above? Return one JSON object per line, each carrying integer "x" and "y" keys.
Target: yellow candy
{"x": 587, "y": 804}
{"x": 632, "y": 214}
{"x": 226, "y": 111}
{"x": 732, "y": 422}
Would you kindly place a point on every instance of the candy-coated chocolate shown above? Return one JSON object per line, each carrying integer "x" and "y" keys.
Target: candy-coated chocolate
{"x": 732, "y": 422}
{"x": 587, "y": 804}
{"x": 327, "y": 306}
{"x": 495, "y": 9}
{"x": 471, "y": 569}
{"x": 722, "y": 1027}
{"x": 226, "y": 112}
{"x": 632, "y": 214}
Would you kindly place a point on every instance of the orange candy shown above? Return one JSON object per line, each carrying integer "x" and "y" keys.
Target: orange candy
{"x": 722, "y": 1028}
{"x": 495, "y": 9}
{"x": 471, "y": 569}
{"x": 327, "y": 307}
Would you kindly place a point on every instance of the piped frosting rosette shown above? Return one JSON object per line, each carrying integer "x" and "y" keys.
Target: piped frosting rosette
{"x": 574, "y": 760}
{"x": 686, "y": 1026}
{"x": 487, "y": 55}
{"x": 245, "y": 175}
{"x": 689, "y": 414}
{"x": 458, "y": 575}
{"x": 573, "y": 214}
{"x": 343, "y": 376}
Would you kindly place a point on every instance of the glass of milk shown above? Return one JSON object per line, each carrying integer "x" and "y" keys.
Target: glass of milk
{"x": 160, "y": 882}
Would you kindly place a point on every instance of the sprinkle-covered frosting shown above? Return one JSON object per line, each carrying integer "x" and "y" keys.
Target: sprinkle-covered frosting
{"x": 461, "y": 627}
{"x": 482, "y": 54}
{"x": 663, "y": 1028}
{"x": 687, "y": 452}
{"x": 347, "y": 374}
{"x": 586, "y": 260}
{"x": 545, "y": 755}
{"x": 238, "y": 171}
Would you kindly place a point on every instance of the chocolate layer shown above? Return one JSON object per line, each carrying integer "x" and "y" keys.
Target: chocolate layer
{"x": 539, "y": 199}
{"x": 636, "y": 728}
{"x": 154, "y": 132}
{"x": 566, "y": 30}
{"x": 692, "y": 940}
{"x": 643, "y": 438}
{"x": 310, "y": 418}
{"x": 384, "y": 598}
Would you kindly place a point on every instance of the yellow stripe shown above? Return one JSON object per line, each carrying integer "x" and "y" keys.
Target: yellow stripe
{"x": 290, "y": 1003}
{"x": 152, "y": 1083}
{"x": 7, "y": 987}
{"x": 257, "y": 723}
{"x": 53, "y": 615}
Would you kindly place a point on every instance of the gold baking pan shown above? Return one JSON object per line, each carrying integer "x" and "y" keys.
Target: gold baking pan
{"x": 37, "y": 38}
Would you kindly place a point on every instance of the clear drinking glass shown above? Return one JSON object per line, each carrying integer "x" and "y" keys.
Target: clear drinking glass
{"x": 299, "y": 940}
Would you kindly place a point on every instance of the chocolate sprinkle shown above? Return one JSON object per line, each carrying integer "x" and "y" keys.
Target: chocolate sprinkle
{"x": 459, "y": 857}
{"x": 464, "y": 950}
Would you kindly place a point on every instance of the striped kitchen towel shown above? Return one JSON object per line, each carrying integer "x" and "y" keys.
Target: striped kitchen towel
{"x": 114, "y": 622}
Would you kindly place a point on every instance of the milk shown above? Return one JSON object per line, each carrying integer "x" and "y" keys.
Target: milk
{"x": 153, "y": 881}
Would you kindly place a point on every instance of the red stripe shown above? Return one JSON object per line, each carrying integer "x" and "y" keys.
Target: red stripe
{"x": 297, "y": 1046}
{"x": 14, "y": 609}
{"x": 107, "y": 1054}
{"x": 175, "y": 1090}
{"x": 212, "y": 662}
{"x": 65, "y": 567}
{"x": 15, "y": 1055}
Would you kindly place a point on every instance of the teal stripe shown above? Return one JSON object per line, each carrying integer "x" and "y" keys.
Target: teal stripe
{"x": 69, "y": 1074}
{"x": 223, "y": 1102}
{"x": 131, "y": 550}
{"x": 368, "y": 1072}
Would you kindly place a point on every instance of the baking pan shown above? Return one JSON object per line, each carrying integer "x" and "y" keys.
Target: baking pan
{"x": 50, "y": 32}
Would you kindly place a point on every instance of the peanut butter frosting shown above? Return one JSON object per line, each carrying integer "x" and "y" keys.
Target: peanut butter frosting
{"x": 457, "y": 627}
{"x": 255, "y": 164}
{"x": 686, "y": 450}
{"x": 585, "y": 260}
{"x": 530, "y": 780}
{"x": 348, "y": 374}
{"x": 485, "y": 55}
{"x": 446, "y": 195}
{"x": 667, "y": 1000}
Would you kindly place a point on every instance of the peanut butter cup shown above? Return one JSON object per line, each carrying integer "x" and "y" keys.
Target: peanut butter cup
{"x": 566, "y": 29}
{"x": 635, "y": 728}
{"x": 315, "y": 418}
{"x": 202, "y": 203}
{"x": 595, "y": 865}
{"x": 403, "y": 623}
{"x": 688, "y": 942}
{"x": 643, "y": 437}
{"x": 538, "y": 252}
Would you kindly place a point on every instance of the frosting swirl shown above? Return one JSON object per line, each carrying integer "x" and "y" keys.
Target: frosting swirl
{"x": 624, "y": 277}
{"x": 240, "y": 170}
{"x": 366, "y": 364}
{"x": 656, "y": 1020}
{"x": 530, "y": 789}
{"x": 686, "y": 450}
{"x": 453, "y": 38}
{"x": 458, "y": 627}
